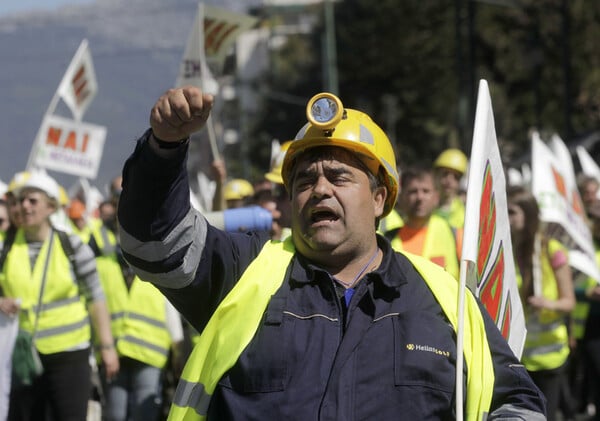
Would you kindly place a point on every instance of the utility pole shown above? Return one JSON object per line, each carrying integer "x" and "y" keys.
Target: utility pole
{"x": 462, "y": 108}
{"x": 330, "y": 53}
{"x": 566, "y": 50}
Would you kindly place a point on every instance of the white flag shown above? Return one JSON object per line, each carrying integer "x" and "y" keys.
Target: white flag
{"x": 563, "y": 155}
{"x": 221, "y": 28}
{"x": 69, "y": 146}
{"x": 487, "y": 250}
{"x": 194, "y": 69}
{"x": 554, "y": 187}
{"x": 79, "y": 86}
{"x": 588, "y": 165}
{"x": 212, "y": 35}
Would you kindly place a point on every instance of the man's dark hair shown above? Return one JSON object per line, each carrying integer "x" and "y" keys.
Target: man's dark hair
{"x": 417, "y": 171}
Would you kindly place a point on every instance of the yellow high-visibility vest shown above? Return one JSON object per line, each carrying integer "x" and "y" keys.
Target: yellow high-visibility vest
{"x": 547, "y": 342}
{"x": 440, "y": 244}
{"x": 62, "y": 319}
{"x": 138, "y": 314}
{"x": 455, "y": 215}
{"x": 392, "y": 221}
{"x": 236, "y": 320}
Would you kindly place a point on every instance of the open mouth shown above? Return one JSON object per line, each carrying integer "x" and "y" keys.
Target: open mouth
{"x": 323, "y": 215}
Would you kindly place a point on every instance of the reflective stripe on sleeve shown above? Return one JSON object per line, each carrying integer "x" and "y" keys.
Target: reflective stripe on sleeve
{"x": 192, "y": 395}
{"x": 189, "y": 235}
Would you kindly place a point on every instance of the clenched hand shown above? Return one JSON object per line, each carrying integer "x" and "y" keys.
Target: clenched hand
{"x": 180, "y": 112}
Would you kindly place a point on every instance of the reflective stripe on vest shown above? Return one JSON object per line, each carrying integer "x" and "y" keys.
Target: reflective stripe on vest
{"x": 63, "y": 322}
{"x": 143, "y": 333}
{"x": 236, "y": 320}
{"x": 138, "y": 315}
{"x": 440, "y": 242}
{"x": 105, "y": 240}
{"x": 547, "y": 342}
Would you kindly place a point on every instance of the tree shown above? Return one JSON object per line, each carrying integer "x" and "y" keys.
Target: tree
{"x": 414, "y": 66}
{"x": 403, "y": 50}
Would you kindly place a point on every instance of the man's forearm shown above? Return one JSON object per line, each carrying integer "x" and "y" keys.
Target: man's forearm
{"x": 161, "y": 234}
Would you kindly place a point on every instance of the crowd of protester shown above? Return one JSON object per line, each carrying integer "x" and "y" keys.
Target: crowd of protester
{"x": 131, "y": 352}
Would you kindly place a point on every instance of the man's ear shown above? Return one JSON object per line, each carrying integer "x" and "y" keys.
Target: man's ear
{"x": 379, "y": 197}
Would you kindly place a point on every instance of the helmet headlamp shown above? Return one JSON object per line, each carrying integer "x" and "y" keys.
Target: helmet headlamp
{"x": 324, "y": 111}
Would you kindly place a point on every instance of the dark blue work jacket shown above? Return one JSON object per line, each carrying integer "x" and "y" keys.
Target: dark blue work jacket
{"x": 390, "y": 355}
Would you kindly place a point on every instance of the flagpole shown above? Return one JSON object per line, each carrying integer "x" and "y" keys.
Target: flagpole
{"x": 212, "y": 138}
{"x": 462, "y": 290}
{"x": 51, "y": 108}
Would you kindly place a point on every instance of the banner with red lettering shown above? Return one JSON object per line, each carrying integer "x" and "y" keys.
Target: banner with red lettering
{"x": 487, "y": 265}
{"x": 561, "y": 209}
{"x": 79, "y": 86}
{"x": 69, "y": 146}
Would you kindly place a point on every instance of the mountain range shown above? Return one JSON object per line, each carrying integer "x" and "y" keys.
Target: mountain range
{"x": 136, "y": 48}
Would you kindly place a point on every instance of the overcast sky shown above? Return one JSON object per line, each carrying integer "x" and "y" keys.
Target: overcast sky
{"x": 16, "y": 6}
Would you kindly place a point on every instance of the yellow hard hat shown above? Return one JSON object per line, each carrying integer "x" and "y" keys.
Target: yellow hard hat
{"x": 237, "y": 189}
{"x": 452, "y": 158}
{"x": 330, "y": 124}
{"x": 274, "y": 174}
{"x": 63, "y": 196}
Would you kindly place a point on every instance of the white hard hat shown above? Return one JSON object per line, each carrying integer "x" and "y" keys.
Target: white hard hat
{"x": 40, "y": 181}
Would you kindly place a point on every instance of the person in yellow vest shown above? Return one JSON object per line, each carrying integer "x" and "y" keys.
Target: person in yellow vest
{"x": 546, "y": 288}
{"x": 450, "y": 166}
{"x": 330, "y": 324}
{"x": 79, "y": 222}
{"x": 424, "y": 233}
{"x": 146, "y": 328}
{"x": 49, "y": 279}
{"x": 579, "y": 391}
{"x": 588, "y": 297}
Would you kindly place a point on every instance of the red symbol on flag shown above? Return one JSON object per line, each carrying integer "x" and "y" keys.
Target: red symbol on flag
{"x": 560, "y": 183}
{"x": 215, "y": 33}
{"x": 491, "y": 292}
{"x": 79, "y": 83}
{"x": 576, "y": 203}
